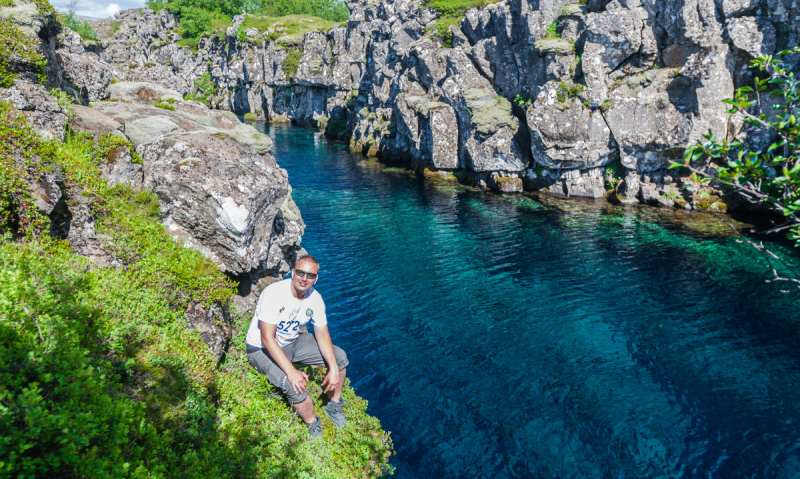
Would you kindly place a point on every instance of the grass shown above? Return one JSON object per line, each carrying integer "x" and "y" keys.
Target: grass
{"x": 552, "y": 30}
{"x": 291, "y": 61}
{"x": 205, "y": 89}
{"x": 190, "y": 43}
{"x": 291, "y": 24}
{"x": 451, "y": 12}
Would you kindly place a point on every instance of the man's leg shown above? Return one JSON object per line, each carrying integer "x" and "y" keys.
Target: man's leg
{"x": 307, "y": 351}
{"x": 301, "y": 402}
{"x": 305, "y": 409}
{"x": 336, "y": 394}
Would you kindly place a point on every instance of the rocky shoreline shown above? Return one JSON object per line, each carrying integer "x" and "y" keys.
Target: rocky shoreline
{"x": 576, "y": 99}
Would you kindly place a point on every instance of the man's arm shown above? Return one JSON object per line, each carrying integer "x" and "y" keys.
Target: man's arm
{"x": 326, "y": 348}
{"x": 296, "y": 378}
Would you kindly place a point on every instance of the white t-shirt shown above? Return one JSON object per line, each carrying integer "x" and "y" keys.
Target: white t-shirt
{"x": 277, "y": 305}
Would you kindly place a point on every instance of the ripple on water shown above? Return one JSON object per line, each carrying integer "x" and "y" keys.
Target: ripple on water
{"x": 519, "y": 336}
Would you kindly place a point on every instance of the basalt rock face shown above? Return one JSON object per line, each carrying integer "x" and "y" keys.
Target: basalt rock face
{"x": 221, "y": 191}
{"x": 625, "y": 85}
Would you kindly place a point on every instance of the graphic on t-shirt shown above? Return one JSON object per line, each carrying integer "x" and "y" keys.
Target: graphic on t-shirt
{"x": 288, "y": 327}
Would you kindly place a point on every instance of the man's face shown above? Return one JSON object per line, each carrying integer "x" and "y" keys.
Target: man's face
{"x": 301, "y": 282}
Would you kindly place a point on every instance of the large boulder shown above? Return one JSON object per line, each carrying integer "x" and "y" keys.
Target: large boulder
{"x": 492, "y": 145}
{"x": 439, "y": 134}
{"x": 612, "y": 37}
{"x": 144, "y": 123}
{"x": 90, "y": 120}
{"x": 217, "y": 196}
{"x": 212, "y": 323}
{"x": 656, "y": 115}
{"x": 79, "y": 73}
{"x": 26, "y": 16}
{"x": 567, "y": 134}
{"x": 221, "y": 192}
{"x": 40, "y": 108}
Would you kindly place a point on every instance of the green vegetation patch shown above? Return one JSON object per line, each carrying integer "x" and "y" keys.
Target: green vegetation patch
{"x": 451, "y": 12}
{"x": 290, "y": 24}
{"x": 206, "y": 17}
{"x": 205, "y": 88}
{"x": 18, "y": 53}
{"x": 165, "y": 104}
{"x": 290, "y": 62}
{"x": 331, "y": 10}
{"x": 99, "y": 376}
{"x": 81, "y": 27}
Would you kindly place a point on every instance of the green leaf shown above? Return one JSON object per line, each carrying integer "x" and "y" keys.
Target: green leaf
{"x": 774, "y": 145}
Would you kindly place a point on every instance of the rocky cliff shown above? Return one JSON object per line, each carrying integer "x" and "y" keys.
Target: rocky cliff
{"x": 221, "y": 190}
{"x": 570, "y": 98}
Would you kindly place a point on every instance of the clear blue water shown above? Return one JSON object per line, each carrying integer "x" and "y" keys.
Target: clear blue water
{"x": 500, "y": 337}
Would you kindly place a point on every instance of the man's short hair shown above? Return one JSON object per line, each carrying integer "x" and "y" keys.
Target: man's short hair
{"x": 308, "y": 258}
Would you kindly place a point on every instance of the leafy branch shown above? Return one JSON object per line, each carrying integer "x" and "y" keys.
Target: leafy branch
{"x": 768, "y": 178}
{"x": 771, "y": 178}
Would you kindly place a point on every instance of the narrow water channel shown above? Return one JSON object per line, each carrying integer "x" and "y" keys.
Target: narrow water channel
{"x": 500, "y": 337}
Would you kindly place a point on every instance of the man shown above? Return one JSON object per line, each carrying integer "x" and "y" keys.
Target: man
{"x": 274, "y": 343}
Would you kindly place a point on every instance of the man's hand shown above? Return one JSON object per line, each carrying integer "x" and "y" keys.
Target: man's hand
{"x": 331, "y": 379}
{"x": 297, "y": 379}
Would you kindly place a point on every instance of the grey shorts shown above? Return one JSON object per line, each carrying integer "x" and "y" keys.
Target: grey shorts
{"x": 303, "y": 350}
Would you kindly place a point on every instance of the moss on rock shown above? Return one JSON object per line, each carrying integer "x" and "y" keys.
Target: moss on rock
{"x": 490, "y": 112}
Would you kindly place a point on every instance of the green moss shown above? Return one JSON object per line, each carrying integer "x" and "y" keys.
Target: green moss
{"x": 490, "y": 112}
{"x": 164, "y": 106}
{"x": 552, "y": 30}
{"x": 18, "y": 53}
{"x": 290, "y": 62}
{"x": 425, "y": 108}
{"x": 250, "y": 116}
{"x": 190, "y": 43}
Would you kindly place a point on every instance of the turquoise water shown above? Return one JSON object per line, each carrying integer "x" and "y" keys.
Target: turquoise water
{"x": 500, "y": 337}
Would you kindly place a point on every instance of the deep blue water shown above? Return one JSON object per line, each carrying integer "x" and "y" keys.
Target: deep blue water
{"x": 505, "y": 336}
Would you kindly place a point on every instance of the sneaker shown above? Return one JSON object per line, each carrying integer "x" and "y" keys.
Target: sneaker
{"x": 336, "y": 413}
{"x": 315, "y": 428}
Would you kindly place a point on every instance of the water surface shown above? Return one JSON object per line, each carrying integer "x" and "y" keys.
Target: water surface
{"x": 505, "y": 336}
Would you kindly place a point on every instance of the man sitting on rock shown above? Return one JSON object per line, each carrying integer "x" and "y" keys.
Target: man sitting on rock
{"x": 274, "y": 343}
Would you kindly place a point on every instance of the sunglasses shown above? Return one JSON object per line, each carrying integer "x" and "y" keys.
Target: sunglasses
{"x": 301, "y": 273}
